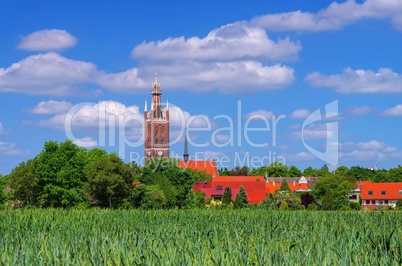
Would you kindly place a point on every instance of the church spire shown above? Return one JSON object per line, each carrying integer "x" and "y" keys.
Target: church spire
{"x": 185, "y": 154}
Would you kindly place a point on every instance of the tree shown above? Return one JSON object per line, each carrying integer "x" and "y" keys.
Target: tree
{"x": 224, "y": 172}
{"x": 4, "y": 196}
{"x": 294, "y": 171}
{"x": 241, "y": 199}
{"x": 24, "y": 182}
{"x": 61, "y": 171}
{"x": 285, "y": 186}
{"x": 333, "y": 190}
{"x": 277, "y": 169}
{"x": 109, "y": 181}
{"x": 227, "y": 196}
{"x": 195, "y": 199}
{"x": 237, "y": 171}
{"x": 395, "y": 174}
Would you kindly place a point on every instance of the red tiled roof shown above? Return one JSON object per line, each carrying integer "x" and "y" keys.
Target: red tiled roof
{"x": 208, "y": 166}
{"x": 391, "y": 190}
{"x": 239, "y": 178}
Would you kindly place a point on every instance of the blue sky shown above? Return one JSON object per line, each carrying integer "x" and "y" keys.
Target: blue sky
{"x": 230, "y": 69}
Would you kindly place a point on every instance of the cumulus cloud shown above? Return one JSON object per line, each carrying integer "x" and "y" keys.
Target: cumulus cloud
{"x": 2, "y": 131}
{"x": 300, "y": 114}
{"x": 394, "y": 111}
{"x": 299, "y": 157}
{"x": 259, "y": 114}
{"x": 55, "y": 75}
{"x": 368, "y": 151}
{"x": 227, "y": 77}
{"x": 51, "y": 107}
{"x": 359, "y": 81}
{"x": 360, "y": 110}
{"x": 86, "y": 142}
{"x": 234, "y": 41}
{"x": 47, "y": 40}
{"x": 47, "y": 74}
{"x": 10, "y": 149}
{"x": 334, "y": 17}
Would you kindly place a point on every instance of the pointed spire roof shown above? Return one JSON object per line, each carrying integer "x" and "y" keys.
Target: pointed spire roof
{"x": 185, "y": 154}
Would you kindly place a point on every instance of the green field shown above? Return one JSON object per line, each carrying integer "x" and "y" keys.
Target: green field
{"x": 199, "y": 237}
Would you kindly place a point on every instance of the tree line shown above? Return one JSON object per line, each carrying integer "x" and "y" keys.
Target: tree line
{"x": 64, "y": 175}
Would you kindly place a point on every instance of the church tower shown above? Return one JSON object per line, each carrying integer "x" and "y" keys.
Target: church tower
{"x": 156, "y": 123}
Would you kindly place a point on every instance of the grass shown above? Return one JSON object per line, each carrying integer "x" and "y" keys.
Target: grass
{"x": 199, "y": 237}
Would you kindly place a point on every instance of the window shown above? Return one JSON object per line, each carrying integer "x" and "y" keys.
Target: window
{"x": 370, "y": 192}
{"x": 386, "y": 201}
{"x": 383, "y": 192}
{"x": 372, "y": 201}
{"x": 219, "y": 188}
{"x": 367, "y": 201}
{"x": 381, "y": 202}
{"x": 400, "y": 192}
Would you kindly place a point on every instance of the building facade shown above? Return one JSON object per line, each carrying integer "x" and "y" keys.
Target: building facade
{"x": 156, "y": 125}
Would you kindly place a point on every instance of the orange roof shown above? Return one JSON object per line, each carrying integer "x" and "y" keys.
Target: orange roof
{"x": 385, "y": 191}
{"x": 273, "y": 187}
{"x": 208, "y": 166}
{"x": 239, "y": 178}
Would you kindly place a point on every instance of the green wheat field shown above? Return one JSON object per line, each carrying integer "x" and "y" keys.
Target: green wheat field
{"x": 199, "y": 237}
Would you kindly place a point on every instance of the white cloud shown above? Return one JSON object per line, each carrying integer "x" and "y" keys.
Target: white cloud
{"x": 360, "y": 110}
{"x": 10, "y": 149}
{"x": 51, "y": 107}
{"x": 299, "y": 157}
{"x": 2, "y": 131}
{"x": 104, "y": 114}
{"x": 259, "y": 114}
{"x": 312, "y": 131}
{"x": 230, "y": 42}
{"x": 394, "y": 111}
{"x": 53, "y": 74}
{"x": 300, "y": 114}
{"x": 47, "y": 40}
{"x": 47, "y": 74}
{"x": 368, "y": 151}
{"x": 227, "y": 77}
{"x": 335, "y": 16}
{"x": 359, "y": 81}
{"x": 86, "y": 142}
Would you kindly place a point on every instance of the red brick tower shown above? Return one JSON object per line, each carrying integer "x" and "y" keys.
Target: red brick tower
{"x": 156, "y": 123}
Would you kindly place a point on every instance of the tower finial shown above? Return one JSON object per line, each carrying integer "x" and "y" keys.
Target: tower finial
{"x": 185, "y": 154}
{"x": 156, "y": 83}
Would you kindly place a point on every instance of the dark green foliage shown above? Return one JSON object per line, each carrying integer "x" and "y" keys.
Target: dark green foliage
{"x": 294, "y": 171}
{"x": 333, "y": 190}
{"x": 285, "y": 186}
{"x": 240, "y": 171}
{"x": 61, "y": 171}
{"x": 195, "y": 199}
{"x": 4, "y": 194}
{"x": 227, "y": 196}
{"x": 109, "y": 181}
{"x": 224, "y": 172}
{"x": 24, "y": 182}
{"x": 275, "y": 169}
{"x": 241, "y": 199}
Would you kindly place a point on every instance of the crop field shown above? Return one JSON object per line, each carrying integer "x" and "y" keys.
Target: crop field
{"x": 199, "y": 237}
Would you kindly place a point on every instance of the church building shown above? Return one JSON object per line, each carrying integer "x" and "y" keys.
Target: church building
{"x": 156, "y": 125}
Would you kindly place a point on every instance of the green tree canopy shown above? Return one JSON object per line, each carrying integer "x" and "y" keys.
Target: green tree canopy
{"x": 61, "y": 171}
{"x": 109, "y": 181}
{"x": 227, "y": 196}
{"x": 241, "y": 199}
{"x": 24, "y": 182}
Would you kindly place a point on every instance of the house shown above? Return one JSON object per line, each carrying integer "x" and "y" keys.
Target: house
{"x": 374, "y": 195}
{"x": 256, "y": 187}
